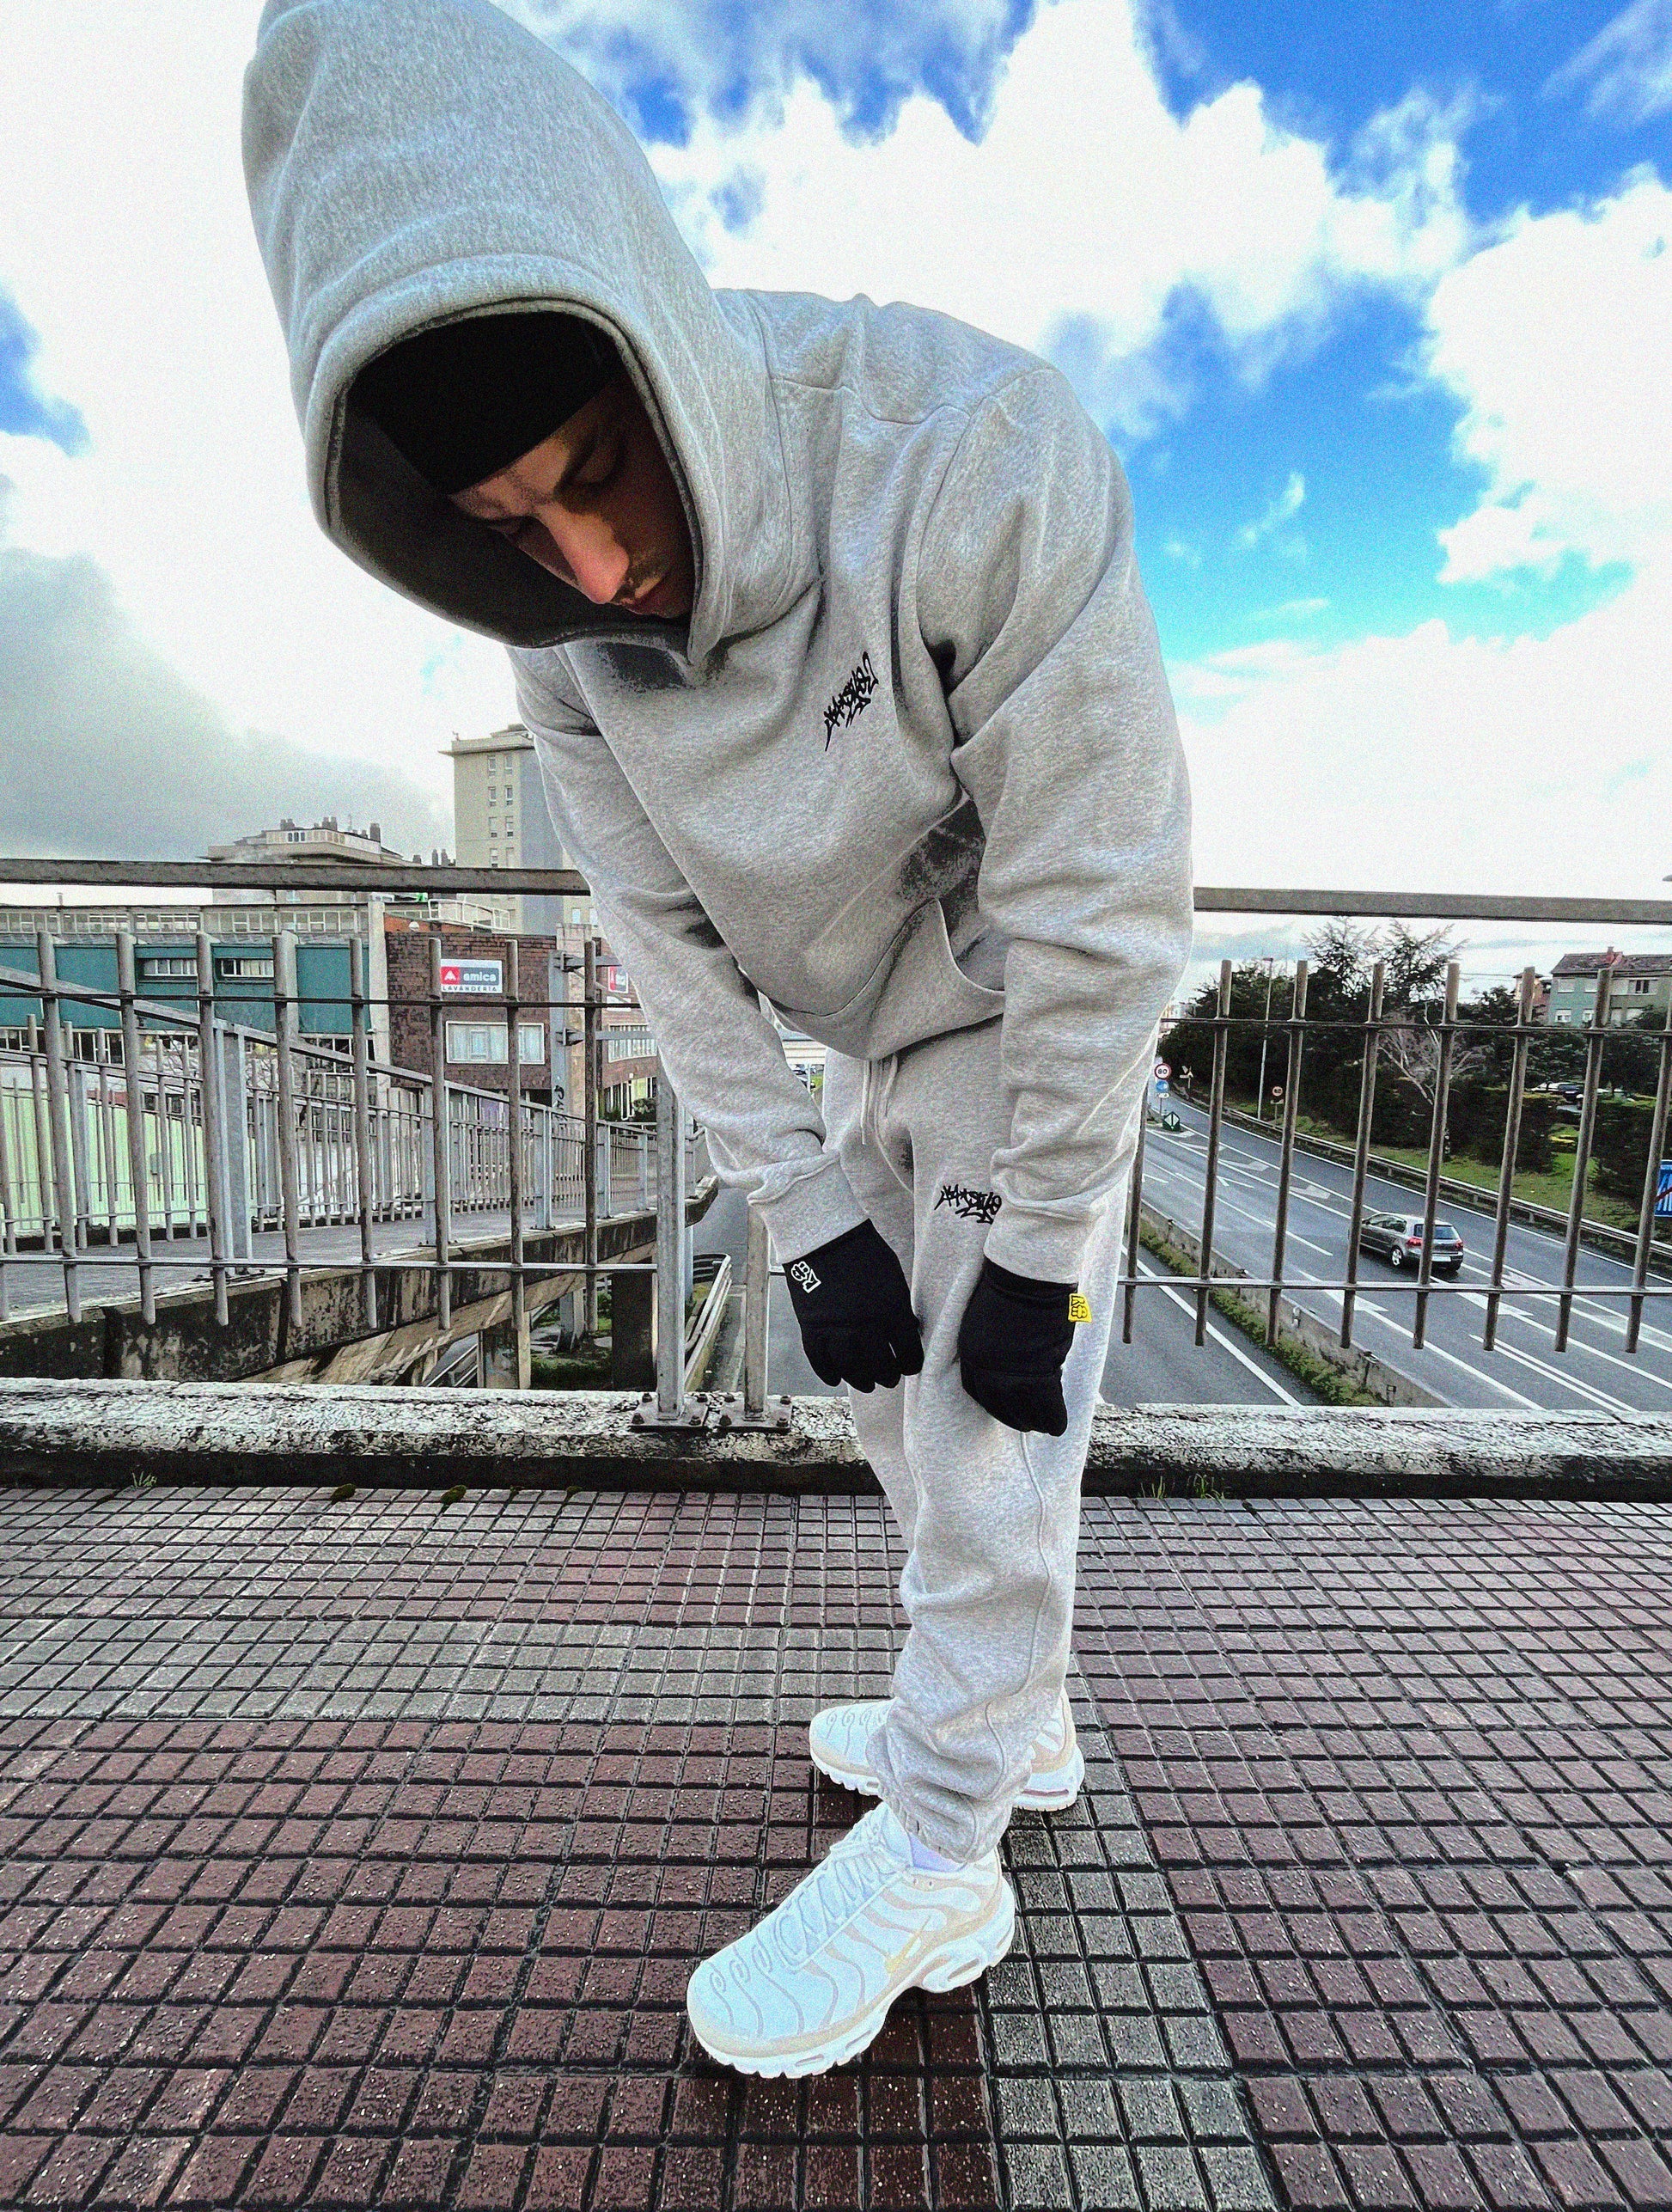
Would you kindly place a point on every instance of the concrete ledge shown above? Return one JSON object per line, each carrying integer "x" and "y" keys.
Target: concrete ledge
{"x": 54, "y": 1432}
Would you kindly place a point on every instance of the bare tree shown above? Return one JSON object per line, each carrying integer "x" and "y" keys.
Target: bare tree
{"x": 1413, "y": 1053}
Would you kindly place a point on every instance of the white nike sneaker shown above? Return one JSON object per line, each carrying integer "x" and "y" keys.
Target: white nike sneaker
{"x": 810, "y": 1985}
{"x": 838, "y": 1739}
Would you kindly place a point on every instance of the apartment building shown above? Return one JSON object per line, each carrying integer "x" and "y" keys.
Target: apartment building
{"x": 1640, "y": 983}
{"x": 501, "y": 821}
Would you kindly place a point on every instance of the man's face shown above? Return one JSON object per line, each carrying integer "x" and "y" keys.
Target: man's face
{"x": 597, "y": 504}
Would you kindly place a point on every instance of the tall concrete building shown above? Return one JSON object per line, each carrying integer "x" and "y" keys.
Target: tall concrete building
{"x": 500, "y": 820}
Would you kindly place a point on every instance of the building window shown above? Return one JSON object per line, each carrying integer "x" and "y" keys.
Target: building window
{"x": 159, "y": 964}
{"x": 245, "y": 964}
{"x": 484, "y": 1043}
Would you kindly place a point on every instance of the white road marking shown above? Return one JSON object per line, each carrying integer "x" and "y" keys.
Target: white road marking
{"x": 1591, "y": 1351}
{"x": 1569, "y": 1382}
{"x": 1363, "y": 1305}
{"x": 1593, "y": 1312}
{"x": 1219, "y": 1337}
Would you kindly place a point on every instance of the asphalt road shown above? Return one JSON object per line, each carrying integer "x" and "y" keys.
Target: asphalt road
{"x": 1524, "y": 1369}
{"x": 1160, "y": 1366}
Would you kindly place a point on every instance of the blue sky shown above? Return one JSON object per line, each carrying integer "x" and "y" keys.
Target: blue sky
{"x": 1549, "y": 106}
{"x": 1373, "y": 300}
{"x": 1353, "y": 413}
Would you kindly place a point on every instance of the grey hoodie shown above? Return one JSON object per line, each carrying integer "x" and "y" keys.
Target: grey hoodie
{"x": 911, "y": 764}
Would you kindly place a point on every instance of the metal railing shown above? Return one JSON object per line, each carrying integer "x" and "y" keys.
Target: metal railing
{"x": 1373, "y": 1033}
{"x": 187, "y": 1128}
{"x": 310, "y": 1138}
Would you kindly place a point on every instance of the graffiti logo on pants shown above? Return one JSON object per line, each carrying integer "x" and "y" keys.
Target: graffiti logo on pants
{"x": 851, "y": 700}
{"x": 803, "y": 1276}
{"x": 969, "y": 1205}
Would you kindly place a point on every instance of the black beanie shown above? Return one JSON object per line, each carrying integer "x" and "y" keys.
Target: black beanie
{"x": 465, "y": 400}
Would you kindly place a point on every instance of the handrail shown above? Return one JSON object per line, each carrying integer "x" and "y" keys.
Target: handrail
{"x": 361, "y": 877}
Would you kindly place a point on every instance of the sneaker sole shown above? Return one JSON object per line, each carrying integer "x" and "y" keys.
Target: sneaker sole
{"x": 964, "y": 1958}
{"x": 1052, "y": 1790}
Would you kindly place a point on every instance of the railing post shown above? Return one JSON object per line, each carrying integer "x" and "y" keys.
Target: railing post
{"x": 1506, "y": 1170}
{"x": 1135, "y": 1201}
{"x": 284, "y": 1024}
{"x": 1436, "y": 1157}
{"x": 139, "y": 1166}
{"x": 360, "y": 1051}
{"x": 514, "y": 1164}
{"x": 40, "y": 1090}
{"x": 1215, "y": 1123}
{"x": 757, "y": 1317}
{"x": 438, "y": 1137}
{"x": 1360, "y": 1151}
{"x": 212, "y": 1099}
{"x": 589, "y": 1134}
{"x": 1291, "y": 1085}
{"x": 1595, "y": 1040}
{"x": 672, "y": 1236}
{"x": 58, "y": 1105}
{"x": 75, "y": 1091}
{"x": 235, "y": 1142}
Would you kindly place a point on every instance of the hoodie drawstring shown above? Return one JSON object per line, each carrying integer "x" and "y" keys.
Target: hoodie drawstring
{"x": 876, "y": 1089}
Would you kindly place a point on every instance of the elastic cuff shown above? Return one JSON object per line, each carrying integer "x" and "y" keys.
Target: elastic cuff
{"x": 814, "y": 1208}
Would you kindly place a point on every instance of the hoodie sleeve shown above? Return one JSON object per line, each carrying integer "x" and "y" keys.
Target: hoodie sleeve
{"x": 1065, "y": 737}
{"x": 765, "y": 1133}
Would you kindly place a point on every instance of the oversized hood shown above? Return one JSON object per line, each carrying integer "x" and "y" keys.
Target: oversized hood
{"x": 412, "y": 161}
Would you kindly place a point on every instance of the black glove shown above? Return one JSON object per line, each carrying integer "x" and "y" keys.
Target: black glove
{"x": 1015, "y": 1335}
{"x": 855, "y": 1311}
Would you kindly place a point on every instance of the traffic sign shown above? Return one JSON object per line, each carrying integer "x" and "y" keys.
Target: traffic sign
{"x": 1162, "y": 1071}
{"x": 1664, "y": 1190}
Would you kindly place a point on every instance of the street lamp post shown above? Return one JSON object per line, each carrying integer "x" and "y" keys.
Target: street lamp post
{"x": 1259, "y": 1096}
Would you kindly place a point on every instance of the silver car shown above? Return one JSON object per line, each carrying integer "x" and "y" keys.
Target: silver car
{"x": 1398, "y": 1238}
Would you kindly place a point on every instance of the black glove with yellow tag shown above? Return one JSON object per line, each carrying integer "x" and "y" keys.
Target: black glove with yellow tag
{"x": 1015, "y": 1335}
{"x": 854, "y": 1306}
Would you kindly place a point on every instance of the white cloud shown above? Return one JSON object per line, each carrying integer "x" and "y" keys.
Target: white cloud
{"x": 1284, "y": 509}
{"x": 1435, "y": 762}
{"x": 1558, "y": 339}
{"x": 1628, "y": 66}
{"x": 1083, "y": 214}
{"x": 705, "y": 49}
{"x": 126, "y": 242}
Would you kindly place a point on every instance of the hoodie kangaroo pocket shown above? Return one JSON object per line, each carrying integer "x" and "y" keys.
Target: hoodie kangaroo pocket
{"x": 916, "y": 990}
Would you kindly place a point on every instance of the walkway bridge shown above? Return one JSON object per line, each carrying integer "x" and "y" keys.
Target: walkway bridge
{"x": 375, "y": 1763}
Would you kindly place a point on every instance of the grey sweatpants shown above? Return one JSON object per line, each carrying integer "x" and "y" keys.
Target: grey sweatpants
{"x": 990, "y": 1516}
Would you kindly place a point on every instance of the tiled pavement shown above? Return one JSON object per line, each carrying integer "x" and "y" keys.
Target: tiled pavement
{"x": 356, "y": 1852}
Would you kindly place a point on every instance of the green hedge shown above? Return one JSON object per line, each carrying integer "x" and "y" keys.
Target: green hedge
{"x": 1619, "y": 1145}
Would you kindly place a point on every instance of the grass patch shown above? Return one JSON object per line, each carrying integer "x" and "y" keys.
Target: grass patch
{"x": 585, "y": 1368}
{"x": 1327, "y": 1383}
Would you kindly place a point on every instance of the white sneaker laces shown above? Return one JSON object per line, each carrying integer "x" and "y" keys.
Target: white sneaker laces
{"x": 827, "y": 1898}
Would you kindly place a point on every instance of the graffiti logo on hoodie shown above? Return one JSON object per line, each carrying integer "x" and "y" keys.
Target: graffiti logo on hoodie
{"x": 851, "y": 700}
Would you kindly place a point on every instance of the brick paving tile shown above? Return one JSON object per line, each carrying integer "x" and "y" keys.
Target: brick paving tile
{"x": 357, "y": 1853}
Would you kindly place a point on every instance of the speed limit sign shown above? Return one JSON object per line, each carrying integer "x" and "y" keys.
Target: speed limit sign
{"x": 1162, "y": 1071}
